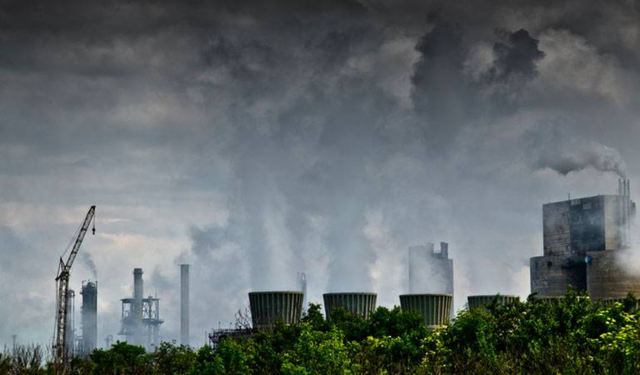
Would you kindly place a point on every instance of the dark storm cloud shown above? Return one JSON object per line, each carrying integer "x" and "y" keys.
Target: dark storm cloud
{"x": 516, "y": 56}
{"x": 270, "y": 138}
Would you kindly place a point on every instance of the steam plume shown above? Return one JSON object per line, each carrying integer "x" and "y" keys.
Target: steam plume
{"x": 88, "y": 261}
{"x": 563, "y": 153}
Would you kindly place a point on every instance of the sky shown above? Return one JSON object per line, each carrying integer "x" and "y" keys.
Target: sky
{"x": 256, "y": 140}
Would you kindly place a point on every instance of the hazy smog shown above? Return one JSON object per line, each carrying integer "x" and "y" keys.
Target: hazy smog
{"x": 257, "y": 140}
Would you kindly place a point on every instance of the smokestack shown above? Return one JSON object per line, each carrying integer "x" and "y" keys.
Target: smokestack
{"x": 626, "y": 211}
{"x": 184, "y": 304}
{"x": 89, "y": 317}
{"x": 138, "y": 293}
{"x": 302, "y": 283}
{"x": 71, "y": 329}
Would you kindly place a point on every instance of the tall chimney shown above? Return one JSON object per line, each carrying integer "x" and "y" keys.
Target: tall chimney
{"x": 184, "y": 304}
{"x": 89, "y": 317}
{"x": 138, "y": 293}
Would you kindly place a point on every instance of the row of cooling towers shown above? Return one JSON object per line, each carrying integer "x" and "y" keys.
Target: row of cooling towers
{"x": 430, "y": 285}
{"x": 267, "y": 308}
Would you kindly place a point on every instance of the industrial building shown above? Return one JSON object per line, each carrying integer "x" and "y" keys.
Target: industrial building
{"x": 583, "y": 239}
{"x": 89, "y": 317}
{"x": 141, "y": 316}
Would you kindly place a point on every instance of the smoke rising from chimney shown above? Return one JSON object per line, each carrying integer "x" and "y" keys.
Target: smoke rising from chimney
{"x": 86, "y": 259}
{"x": 564, "y": 153}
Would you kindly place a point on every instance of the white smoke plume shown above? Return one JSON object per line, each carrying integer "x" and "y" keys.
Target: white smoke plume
{"x": 566, "y": 153}
{"x": 86, "y": 259}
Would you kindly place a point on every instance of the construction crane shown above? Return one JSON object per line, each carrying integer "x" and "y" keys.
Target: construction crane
{"x": 62, "y": 284}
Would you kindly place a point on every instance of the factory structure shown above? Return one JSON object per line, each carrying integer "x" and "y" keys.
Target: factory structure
{"x": 82, "y": 342}
{"x": 584, "y": 242}
{"x": 141, "y": 316}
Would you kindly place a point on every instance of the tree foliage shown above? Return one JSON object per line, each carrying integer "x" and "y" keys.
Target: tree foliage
{"x": 571, "y": 335}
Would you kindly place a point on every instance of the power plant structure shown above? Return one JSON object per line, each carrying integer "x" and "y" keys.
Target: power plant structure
{"x": 356, "y": 303}
{"x": 184, "y": 304}
{"x": 584, "y": 242}
{"x": 435, "y": 309}
{"x": 141, "y": 316}
{"x": 482, "y": 301}
{"x": 268, "y": 308}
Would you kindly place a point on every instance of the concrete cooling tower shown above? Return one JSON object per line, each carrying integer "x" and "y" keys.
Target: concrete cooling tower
{"x": 482, "y": 301}
{"x": 267, "y": 308}
{"x": 357, "y": 303}
{"x": 434, "y": 308}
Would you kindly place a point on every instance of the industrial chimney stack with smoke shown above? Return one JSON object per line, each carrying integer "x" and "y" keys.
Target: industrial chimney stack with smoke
{"x": 138, "y": 295}
{"x": 89, "y": 316}
{"x": 184, "y": 304}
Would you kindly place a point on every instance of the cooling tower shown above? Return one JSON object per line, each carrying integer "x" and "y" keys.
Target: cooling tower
{"x": 551, "y": 300}
{"x": 89, "y": 317}
{"x": 607, "y": 278}
{"x": 267, "y": 308}
{"x": 434, "y": 308}
{"x": 357, "y": 303}
{"x": 486, "y": 300}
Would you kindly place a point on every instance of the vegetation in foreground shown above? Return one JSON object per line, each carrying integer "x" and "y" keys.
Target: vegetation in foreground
{"x": 571, "y": 336}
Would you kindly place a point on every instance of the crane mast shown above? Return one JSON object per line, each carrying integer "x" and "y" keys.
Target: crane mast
{"x": 62, "y": 281}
